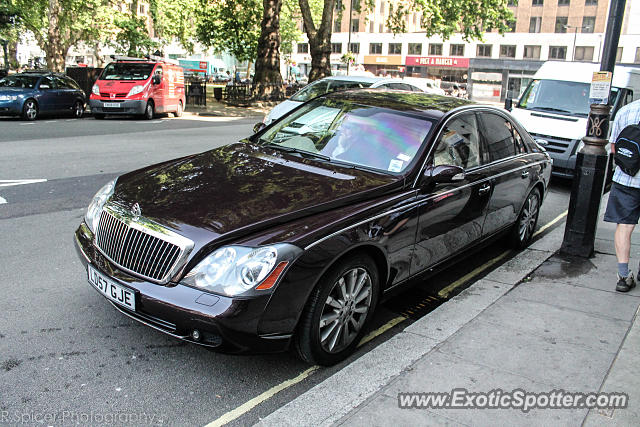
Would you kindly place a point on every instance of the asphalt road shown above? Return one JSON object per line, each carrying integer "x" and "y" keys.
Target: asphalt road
{"x": 66, "y": 355}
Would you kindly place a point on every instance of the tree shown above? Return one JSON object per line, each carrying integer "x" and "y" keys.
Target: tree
{"x": 10, "y": 30}
{"x": 132, "y": 38}
{"x": 319, "y": 38}
{"x": 268, "y": 80}
{"x": 59, "y": 24}
{"x": 174, "y": 20}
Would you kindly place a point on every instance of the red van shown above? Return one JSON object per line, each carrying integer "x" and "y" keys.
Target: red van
{"x": 138, "y": 86}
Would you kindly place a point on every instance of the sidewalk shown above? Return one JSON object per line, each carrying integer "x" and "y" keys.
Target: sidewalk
{"x": 540, "y": 322}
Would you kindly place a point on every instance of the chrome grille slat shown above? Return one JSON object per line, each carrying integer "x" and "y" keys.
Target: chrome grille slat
{"x": 140, "y": 250}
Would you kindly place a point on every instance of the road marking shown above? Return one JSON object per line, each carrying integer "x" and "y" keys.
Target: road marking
{"x": 246, "y": 407}
{"x": 2, "y": 200}
{"x": 26, "y": 124}
{"x": 12, "y": 182}
{"x": 50, "y": 121}
{"x": 549, "y": 224}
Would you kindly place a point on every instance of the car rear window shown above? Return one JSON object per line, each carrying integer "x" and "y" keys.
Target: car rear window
{"x": 127, "y": 71}
{"x": 321, "y": 87}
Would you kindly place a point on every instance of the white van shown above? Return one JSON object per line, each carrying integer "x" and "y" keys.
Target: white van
{"x": 555, "y": 106}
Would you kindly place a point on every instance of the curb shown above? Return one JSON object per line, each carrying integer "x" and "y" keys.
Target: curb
{"x": 329, "y": 401}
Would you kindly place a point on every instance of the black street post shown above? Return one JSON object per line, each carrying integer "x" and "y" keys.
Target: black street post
{"x": 592, "y": 159}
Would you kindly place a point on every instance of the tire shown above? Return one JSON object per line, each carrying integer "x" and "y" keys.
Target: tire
{"x": 149, "y": 111}
{"x": 178, "y": 112}
{"x": 98, "y": 116}
{"x": 78, "y": 109}
{"x": 30, "y": 110}
{"x": 523, "y": 229}
{"x": 333, "y": 303}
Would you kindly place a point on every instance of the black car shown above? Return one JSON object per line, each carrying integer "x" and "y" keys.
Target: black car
{"x": 292, "y": 236}
{"x": 34, "y": 93}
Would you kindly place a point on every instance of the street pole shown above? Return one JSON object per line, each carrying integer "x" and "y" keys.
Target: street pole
{"x": 592, "y": 159}
{"x": 575, "y": 38}
{"x": 349, "y": 38}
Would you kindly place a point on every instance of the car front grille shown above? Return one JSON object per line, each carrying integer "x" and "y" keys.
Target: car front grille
{"x": 117, "y": 95}
{"x": 555, "y": 144}
{"x": 136, "y": 250}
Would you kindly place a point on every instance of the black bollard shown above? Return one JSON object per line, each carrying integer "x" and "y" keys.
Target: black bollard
{"x": 588, "y": 185}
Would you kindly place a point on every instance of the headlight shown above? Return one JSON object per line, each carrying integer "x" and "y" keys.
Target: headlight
{"x": 136, "y": 90}
{"x": 234, "y": 270}
{"x": 95, "y": 207}
{"x": 95, "y": 90}
{"x": 8, "y": 97}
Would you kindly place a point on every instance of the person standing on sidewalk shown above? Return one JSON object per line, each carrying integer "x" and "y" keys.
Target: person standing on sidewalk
{"x": 624, "y": 201}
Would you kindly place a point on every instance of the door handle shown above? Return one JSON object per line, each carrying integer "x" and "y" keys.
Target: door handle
{"x": 525, "y": 174}
{"x": 484, "y": 189}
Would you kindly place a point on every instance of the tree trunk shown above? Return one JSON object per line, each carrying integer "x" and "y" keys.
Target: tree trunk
{"x": 53, "y": 49}
{"x": 267, "y": 82}
{"x": 319, "y": 38}
{"x": 13, "y": 55}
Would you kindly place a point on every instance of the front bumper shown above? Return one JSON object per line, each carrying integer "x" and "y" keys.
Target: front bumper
{"x": 11, "y": 108}
{"x": 124, "y": 106}
{"x": 225, "y": 324}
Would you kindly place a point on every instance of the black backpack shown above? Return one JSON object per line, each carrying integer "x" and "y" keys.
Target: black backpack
{"x": 627, "y": 154}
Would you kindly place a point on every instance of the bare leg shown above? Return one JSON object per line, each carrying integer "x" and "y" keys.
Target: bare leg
{"x": 622, "y": 239}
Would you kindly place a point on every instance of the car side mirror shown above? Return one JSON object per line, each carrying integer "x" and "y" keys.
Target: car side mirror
{"x": 258, "y": 127}
{"x": 444, "y": 174}
{"x": 508, "y": 104}
{"x": 156, "y": 80}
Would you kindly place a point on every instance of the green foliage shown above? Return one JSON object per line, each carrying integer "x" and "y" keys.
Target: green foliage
{"x": 175, "y": 19}
{"x": 230, "y": 25}
{"x": 133, "y": 39}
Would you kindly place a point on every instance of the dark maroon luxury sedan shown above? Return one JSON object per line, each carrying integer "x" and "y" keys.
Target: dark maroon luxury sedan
{"x": 293, "y": 235}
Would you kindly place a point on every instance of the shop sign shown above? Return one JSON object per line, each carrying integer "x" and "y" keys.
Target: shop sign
{"x": 437, "y": 61}
{"x": 383, "y": 60}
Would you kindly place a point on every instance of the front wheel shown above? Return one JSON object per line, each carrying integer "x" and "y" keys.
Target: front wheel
{"x": 30, "y": 110}
{"x": 78, "y": 109}
{"x": 335, "y": 316}
{"x": 149, "y": 111}
{"x": 524, "y": 227}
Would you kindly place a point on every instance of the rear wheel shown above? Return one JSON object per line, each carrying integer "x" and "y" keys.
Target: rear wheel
{"x": 78, "y": 109}
{"x": 178, "y": 112}
{"x": 524, "y": 227}
{"x": 30, "y": 110}
{"x": 149, "y": 111}
{"x": 335, "y": 316}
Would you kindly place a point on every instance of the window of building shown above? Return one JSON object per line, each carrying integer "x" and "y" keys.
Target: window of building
{"x": 354, "y": 48}
{"x": 563, "y": 2}
{"x": 355, "y": 25}
{"x": 561, "y": 24}
{"x": 507, "y": 51}
{"x": 588, "y": 24}
{"x": 336, "y": 47}
{"x": 337, "y": 24}
{"x": 484, "y": 50}
{"x": 303, "y": 47}
{"x": 537, "y": 2}
{"x": 512, "y": 3}
{"x": 435, "y": 49}
{"x": 395, "y": 48}
{"x": 619, "y": 55}
{"x": 456, "y": 50}
{"x": 590, "y": 2}
{"x": 535, "y": 24}
{"x": 557, "y": 52}
{"x": 531, "y": 52}
{"x": 375, "y": 48}
{"x": 381, "y": 27}
{"x": 142, "y": 9}
{"x": 583, "y": 53}
{"x": 371, "y": 27}
{"x": 415, "y": 48}
{"x": 511, "y": 25}
{"x": 637, "y": 60}
{"x": 356, "y": 4}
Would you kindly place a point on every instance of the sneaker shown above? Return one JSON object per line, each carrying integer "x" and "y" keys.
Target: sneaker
{"x": 625, "y": 284}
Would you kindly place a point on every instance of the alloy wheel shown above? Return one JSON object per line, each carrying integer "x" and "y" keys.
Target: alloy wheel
{"x": 345, "y": 310}
{"x": 78, "y": 109}
{"x": 30, "y": 110}
{"x": 528, "y": 218}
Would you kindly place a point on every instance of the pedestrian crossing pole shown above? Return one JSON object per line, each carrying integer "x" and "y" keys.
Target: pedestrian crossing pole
{"x": 592, "y": 160}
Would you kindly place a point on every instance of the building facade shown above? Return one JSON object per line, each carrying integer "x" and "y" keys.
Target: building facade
{"x": 493, "y": 68}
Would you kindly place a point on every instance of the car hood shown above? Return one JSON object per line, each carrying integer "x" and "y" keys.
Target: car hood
{"x": 239, "y": 188}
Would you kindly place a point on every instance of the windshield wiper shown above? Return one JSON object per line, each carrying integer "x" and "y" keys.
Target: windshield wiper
{"x": 558, "y": 110}
{"x": 301, "y": 152}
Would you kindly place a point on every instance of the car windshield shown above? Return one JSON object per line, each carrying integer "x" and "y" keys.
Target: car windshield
{"x": 361, "y": 135}
{"x": 557, "y": 96}
{"x": 127, "y": 71}
{"x": 25, "y": 82}
{"x": 320, "y": 87}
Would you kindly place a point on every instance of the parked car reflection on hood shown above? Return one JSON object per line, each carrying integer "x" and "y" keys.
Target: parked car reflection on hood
{"x": 292, "y": 236}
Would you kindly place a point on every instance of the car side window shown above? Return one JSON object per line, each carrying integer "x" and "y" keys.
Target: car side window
{"x": 458, "y": 144}
{"x": 61, "y": 83}
{"x": 497, "y": 136}
{"x": 72, "y": 84}
{"x": 47, "y": 83}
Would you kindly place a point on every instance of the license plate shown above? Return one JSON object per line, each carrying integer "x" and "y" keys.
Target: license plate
{"x": 115, "y": 292}
{"x": 111, "y": 104}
